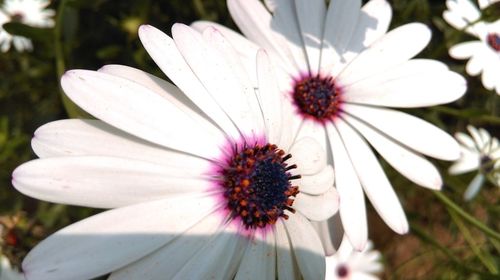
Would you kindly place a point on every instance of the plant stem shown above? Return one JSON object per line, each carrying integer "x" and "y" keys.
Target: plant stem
{"x": 452, "y": 206}
{"x": 470, "y": 240}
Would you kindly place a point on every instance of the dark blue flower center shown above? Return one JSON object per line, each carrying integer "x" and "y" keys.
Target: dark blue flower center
{"x": 257, "y": 185}
{"x": 342, "y": 271}
{"x": 494, "y": 41}
{"x": 317, "y": 97}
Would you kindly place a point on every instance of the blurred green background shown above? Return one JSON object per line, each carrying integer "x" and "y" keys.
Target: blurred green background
{"x": 89, "y": 34}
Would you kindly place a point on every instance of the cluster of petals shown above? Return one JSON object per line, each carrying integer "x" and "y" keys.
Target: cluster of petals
{"x": 374, "y": 71}
{"x": 483, "y": 54}
{"x": 350, "y": 264}
{"x": 29, "y": 12}
{"x": 150, "y": 158}
{"x": 479, "y": 152}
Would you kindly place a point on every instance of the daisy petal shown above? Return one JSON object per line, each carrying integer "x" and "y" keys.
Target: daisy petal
{"x": 311, "y": 16}
{"x": 224, "y": 251}
{"x": 318, "y": 207}
{"x": 113, "y": 239}
{"x": 397, "y": 46}
{"x": 341, "y": 20}
{"x": 306, "y": 247}
{"x": 220, "y": 76}
{"x": 318, "y": 183}
{"x": 270, "y": 98}
{"x": 154, "y": 266}
{"x": 352, "y": 202}
{"x": 166, "y": 55}
{"x": 373, "y": 23}
{"x": 109, "y": 98}
{"x": 413, "y": 166}
{"x": 259, "y": 259}
{"x": 308, "y": 155}
{"x": 255, "y": 21}
{"x": 104, "y": 182}
{"x": 285, "y": 264}
{"x": 375, "y": 184}
{"x": 465, "y": 50}
{"x": 78, "y": 137}
{"x": 474, "y": 187}
{"x": 413, "y": 132}
{"x": 401, "y": 87}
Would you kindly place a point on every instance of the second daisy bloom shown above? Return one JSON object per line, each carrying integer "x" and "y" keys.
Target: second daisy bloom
{"x": 341, "y": 71}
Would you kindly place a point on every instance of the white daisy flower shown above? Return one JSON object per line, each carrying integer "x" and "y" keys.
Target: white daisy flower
{"x": 480, "y": 152}
{"x": 483, "y": 54}
{"x": 206, "y": 185}
{"x": 340, "y": 71}
{"x": 349, "y": 264}
{"x": 29, "y": 12}
{"x": 7, "y": 272}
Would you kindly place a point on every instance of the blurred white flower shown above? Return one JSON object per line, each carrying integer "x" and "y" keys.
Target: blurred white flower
{"x": 7, "y": 272}
{"x": 483, "y": 54}
{"x": 29, "y": 12}
{"x": 199, "y": 179}
{"x": 342, "y": 72}
{"x": 349, "y": 264}
{"x": 481, "y": 152}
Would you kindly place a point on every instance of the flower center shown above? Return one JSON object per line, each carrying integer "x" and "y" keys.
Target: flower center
{"x": 17, "y": 17}
{"x": 486, "y": 163}
{"x": 494, "y": 41}
{"x": 342, "y": 271}
{"x": 317, "y": 97}
{"x": 257, "y": 185}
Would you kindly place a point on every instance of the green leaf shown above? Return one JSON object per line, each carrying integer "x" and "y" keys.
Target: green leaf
{"x": 35, "y": 33}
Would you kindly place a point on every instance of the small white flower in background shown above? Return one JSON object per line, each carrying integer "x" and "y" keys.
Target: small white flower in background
{"x": 29, "y": 12}
{"x": 349, "y": 264}
{"x": 483, "y": 54}
{"x": 206, "y": 180}
{"x": 480, "y": 152}
{"x": 7, "y": 272}
{"x": 340, "y": 71}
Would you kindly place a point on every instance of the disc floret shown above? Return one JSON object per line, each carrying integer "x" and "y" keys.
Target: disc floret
{"x": 257, "y": 185}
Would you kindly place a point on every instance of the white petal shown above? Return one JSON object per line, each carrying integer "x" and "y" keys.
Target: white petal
{"x": 330, "y": 232}
{"x": 468, "y": 161}
{"x": 308, "y": 155}
{"x": 113, "y": 239}
{"x": 373, "y": 23}
{"x": 270, "y": 98}
{"x": 255, "y": 22}
{"x": 465, "y": 50}
{"x": 259, "y": 259}
{"x": 466, "y": 140}
{"x": 306, "y": 247}
{"x": 285, "y": 26}
{"x": 104, "y": 182}
{"x": 397, "y": 46}
{"x": 166, "y": 261}
{"x": 160, "y": 87}
{"x": 285, "y": 264}
{"x": 413, "y": 166}
{"x": 318, "y": 207}
{"x": 341, "y": 20}
{"x": 77, "y": 137}
{"x": 218, "y": 259}
{"x": 312, "y": 129}
{"x": 352, "y": 203}
{"x": 400, "y": 87}
{"x": 166, "y": 55}
{"x": 311, "y": 16}
{"x": 139, "y": 111}
{"x": 318, "y": 183}
{"x": 373, "y": 179}
{"x": 413, "y": 132}
{"x": 474, "y": 187}
{"x": 220, "y": 76}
